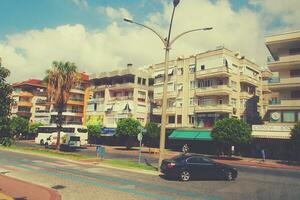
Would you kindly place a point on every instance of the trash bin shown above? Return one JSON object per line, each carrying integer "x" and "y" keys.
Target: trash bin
{"x": 100, "y": 151}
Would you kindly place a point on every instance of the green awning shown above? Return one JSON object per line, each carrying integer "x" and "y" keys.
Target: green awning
{"x": 191, "y": 135}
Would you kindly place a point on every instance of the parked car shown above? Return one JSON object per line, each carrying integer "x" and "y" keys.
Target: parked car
{"x": 188, "y": 166}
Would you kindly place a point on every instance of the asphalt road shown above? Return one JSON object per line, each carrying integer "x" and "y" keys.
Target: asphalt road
{"x": 84, "y": 181}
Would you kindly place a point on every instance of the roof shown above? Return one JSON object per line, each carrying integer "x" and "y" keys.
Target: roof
{"x": 31, "y": 82}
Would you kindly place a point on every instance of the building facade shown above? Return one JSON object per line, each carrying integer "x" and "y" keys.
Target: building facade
{"x": 120, "y": 94}
{"x": 30, "y": 101}
{"x": 209, "y": 86}
{"x": 284, "y": 63}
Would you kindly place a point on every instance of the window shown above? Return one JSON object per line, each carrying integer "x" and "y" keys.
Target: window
{"x": 295, "y": 73}
{"x": 294, "y": 51}
{"x": 298, "y": 116}
{"x": 171, "y": 119}
{"x": 143, "y": 81}
{"x": 191, "y": 119}
{"x": 202, "y": 67}
{"x": 180, "y": 71}
{"x": 191, "y": 101}
{"x": 225, "y": 62}
{"x": 139, "y": 80}
{"x": 193, "y": 160}
{"x": 233, "y": 102}
{"x": 289, "y": 116}
{"x": 192, "y": 68}
{"x": 179, "y": 119}
{"x": 220, "y": 101}
{"x": 192, "y": 84}
{"x": 295, "y": 94}
{"x": 151, "y": 81}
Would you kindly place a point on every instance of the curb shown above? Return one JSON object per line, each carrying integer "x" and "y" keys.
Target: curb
{"x": 91, "y": 163}
{"x": 54, "y": 195}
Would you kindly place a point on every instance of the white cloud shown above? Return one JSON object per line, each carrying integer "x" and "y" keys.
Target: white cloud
{"x": 81, "y": 3}
{"x": 287, "y": 11}
{"x": 29, "y": 54}
{"x": 114, "y": 13}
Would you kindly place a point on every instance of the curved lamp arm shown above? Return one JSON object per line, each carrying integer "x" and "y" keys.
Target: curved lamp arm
{"x": 149, "y": 28}
{"x": 184, "y": 33}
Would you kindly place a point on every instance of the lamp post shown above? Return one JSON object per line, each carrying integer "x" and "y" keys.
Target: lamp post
{"x": 167, "y": 44}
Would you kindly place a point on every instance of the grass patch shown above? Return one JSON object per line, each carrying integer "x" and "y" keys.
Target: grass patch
{"x": 129, "y": 164}
{"x": 48, "y": 152}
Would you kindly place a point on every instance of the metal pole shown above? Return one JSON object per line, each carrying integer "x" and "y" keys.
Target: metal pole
{"x": 140, "y": 153}
{"x": 164, "y": 113}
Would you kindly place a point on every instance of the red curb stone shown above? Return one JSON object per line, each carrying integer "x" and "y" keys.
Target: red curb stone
{"x": 21, "y": 189}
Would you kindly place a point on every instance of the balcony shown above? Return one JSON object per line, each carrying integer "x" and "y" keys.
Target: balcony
{"x": 247, "y": 79}
{"x": 284, "y": 104}
{"x": 226, "y": 108}
{"x": 214, "y": 90}
{"x": 122, "y": 98}
{"x": 283, "y": 62}
{"x": 24, "y": 114}
{"x": 214, "y": 72}
{"x": 68, "y": 112}
{"x": 280, "y": 83}
{"x": 246, "y": 94}
{"x": 266, "y": 74}
{"x": 122, "y": 86}
{"x": 24, "y": 103}
{"x": 170, "y": 110}
{"x": 96, "y": 100}
{"x": 75, "y": 101}
{"x": 77, "y": 91}
{"x": 42, "y": 113}
{"x": 24, "y": 94}
{"x": 172, "y": 94}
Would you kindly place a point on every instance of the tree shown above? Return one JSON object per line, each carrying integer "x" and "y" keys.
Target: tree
{"x": 33, "y": 129}
{"x": 231, "y": 131}
{"x": 5, "y": 101}
{"x": 19, "y": 126}
{"x": 94, "y": 132}
{"x": 152, "y": 134}
{"x": 61, "y": 78}
{"x": 128, "y": 129}
{"x": 295, "y": 138}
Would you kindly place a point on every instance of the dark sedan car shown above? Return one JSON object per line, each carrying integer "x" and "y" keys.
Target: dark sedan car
{"x": 190, "y": 166}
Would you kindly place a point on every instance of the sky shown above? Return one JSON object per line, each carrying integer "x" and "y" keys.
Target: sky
{"x": 93, "y": 35}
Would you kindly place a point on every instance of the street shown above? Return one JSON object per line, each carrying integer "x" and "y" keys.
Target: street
{"x": 86, "y": 181}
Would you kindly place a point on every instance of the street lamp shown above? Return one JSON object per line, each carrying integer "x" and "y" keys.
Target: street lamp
{"x": 167, "y": 44}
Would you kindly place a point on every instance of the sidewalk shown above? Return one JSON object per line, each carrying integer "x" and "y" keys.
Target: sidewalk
{"x": 254, "y": 162}
{"x": 12, "y": 188}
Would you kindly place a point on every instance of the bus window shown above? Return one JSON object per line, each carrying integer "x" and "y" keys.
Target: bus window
{"x": 68, "y": 130}
{"x": 82, "y": 130}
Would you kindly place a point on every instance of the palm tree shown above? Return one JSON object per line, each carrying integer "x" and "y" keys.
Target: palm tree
{"x": 61, "y": 78}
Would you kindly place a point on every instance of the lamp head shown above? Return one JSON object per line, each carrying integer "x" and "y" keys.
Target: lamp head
{"x": 176, "y": 2}
{"x": 128, "y": 20}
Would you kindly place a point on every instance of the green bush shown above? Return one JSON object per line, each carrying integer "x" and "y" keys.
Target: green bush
{"x": 94, "y": 132}
{"x": 152, "y": 134}
{"x": 19, "y": 125}
{"x": 33, "y": 130}
{"x": 6, "y": 141}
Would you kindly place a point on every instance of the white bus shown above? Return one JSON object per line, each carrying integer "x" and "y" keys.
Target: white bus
{"x": 44, "y": 132}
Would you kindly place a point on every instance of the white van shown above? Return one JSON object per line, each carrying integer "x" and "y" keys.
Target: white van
{"x": 68, "y": 141}
{"x": 44, "y": 132}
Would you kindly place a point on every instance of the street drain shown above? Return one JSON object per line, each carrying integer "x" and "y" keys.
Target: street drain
{"x": 58, "y": 187}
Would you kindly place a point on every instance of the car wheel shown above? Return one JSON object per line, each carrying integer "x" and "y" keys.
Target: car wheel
{"x": 46, "y": 145}
{"x": 185, "y": 175}
{"x": 42, "y": 142}
{"x": 229, "y": 176}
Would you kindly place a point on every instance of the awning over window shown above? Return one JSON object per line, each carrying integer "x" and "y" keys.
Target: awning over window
{"x": 191, "y": 135}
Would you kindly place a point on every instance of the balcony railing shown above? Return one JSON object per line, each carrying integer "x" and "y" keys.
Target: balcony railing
{"x": 274, "y": 80}
{"x": 274, "y": 102}
{"x": 76, "y": 99}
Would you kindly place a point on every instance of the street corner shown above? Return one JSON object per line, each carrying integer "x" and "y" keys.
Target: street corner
{"x": 26, "y": 190}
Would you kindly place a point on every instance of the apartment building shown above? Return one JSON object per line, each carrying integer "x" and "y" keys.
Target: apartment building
{"x": 30, "y": 101}
{"x": 74, "y": 112}
{"x": 120, "y": 94}
{"x": 284, "y": 62}
{"x": 209, "y": 86}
